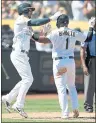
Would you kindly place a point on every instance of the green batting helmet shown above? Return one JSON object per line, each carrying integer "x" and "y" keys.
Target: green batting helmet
{"x": 24, "y": 8}
{"x": 62, "y": 20}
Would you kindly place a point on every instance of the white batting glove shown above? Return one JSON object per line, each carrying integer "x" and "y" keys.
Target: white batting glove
{"x": 47, "y": 28}
{"x": 56, "y": 15}
{"x": 92, "y": 22}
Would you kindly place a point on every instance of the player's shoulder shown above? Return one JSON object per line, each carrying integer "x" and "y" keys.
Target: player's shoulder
{"x": 57, "y": 30}
{"x": 76, "y": 32}
{"x": 21, "y": 20}
{"x": 69, "y": 29}
{"x": 53, "y": 32}
{"x": 65, "y": 29}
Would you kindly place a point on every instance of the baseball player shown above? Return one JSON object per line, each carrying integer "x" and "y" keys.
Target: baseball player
{"x": 63, "y": 40}
{"x": 19, "y": 56}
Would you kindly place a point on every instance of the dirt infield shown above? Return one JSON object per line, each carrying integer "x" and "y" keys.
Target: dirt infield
{"x": 53, "y": 116}
{"x": 48, "y": 96}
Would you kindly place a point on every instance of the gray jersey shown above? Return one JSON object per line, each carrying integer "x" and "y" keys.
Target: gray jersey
{"x": 22, "y": 34}
{"x": 63, "y": 41}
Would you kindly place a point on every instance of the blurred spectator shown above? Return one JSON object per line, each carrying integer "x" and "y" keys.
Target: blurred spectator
{"x": 67, "y": 7}
{"x": 43, "y": 13}
{"x": 13, "y": 12}
{"x": 37, "y": 6}
{"x": 49, "y": 3}
{"x": 89, "y": 8}
{"x": 63, "y": 10}
{"x": 48, "y": 11}
{"x": 5, "y": 10}
{"x": 18, "y": 2}
{"x": 55, "y": 8}
{"x": 42, "y": 8}
{"x": 77, "y": 10}
{"x": 9, "y": 9}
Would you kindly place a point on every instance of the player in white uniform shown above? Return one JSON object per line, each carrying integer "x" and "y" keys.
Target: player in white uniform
{"x": 19, "y": 56}
{"x": 63, "y": 40}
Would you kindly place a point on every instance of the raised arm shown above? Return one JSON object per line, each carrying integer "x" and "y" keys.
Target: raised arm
{"x": 38, "y": 22}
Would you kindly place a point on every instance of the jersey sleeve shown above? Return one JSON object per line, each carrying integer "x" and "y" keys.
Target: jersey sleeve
{"x": 22, "y": 21}
{"x": 80, "y": 36}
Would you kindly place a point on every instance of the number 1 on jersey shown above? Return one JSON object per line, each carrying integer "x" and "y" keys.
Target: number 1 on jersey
{"x": 67, "y": 41}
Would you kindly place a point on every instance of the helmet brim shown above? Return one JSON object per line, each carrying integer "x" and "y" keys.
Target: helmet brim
{"x": 33, "y": 9}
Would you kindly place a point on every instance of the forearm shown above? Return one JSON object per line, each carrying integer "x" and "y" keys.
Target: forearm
{"x": 82, "y": 56}
{"x": 40, "y": 39}
{"x": 38, "y": 22}
{"x": 90, "y": 34}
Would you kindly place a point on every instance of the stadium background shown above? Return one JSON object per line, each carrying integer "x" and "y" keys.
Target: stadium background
{"x": 42, "y": 103}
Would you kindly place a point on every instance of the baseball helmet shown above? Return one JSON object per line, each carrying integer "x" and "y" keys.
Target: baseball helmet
{"x": 62, "y": 20}
{"x": 24, "y": 8}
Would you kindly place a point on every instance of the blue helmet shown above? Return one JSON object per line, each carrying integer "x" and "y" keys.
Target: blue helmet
{"x": 24, "y": 8}
{"x": 62, "y": 20}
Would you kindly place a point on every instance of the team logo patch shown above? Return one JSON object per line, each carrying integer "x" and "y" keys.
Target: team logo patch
{"x": 61, "y": 71}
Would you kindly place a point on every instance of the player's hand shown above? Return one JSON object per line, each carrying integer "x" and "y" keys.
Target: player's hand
{"x": 47, "y": 28}
{"x": 56, "y": 15}
{"x": 85, "y": 70}
{"x": 92, "y": 22}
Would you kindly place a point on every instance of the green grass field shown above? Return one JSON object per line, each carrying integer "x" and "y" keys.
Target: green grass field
{"x": 40, "y": 105}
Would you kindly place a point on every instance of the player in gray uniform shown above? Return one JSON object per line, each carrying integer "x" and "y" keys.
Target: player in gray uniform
{"x": 19, "y": 56}
{"x": 63, "y": 40}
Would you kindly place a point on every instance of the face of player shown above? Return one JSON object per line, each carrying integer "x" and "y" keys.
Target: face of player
{"x": 30, "y": 13}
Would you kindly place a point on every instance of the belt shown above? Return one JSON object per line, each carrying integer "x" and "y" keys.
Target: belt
{"x": 92, "y": 56}
{"x": 70, "y": 57}
{"x": 23, "y": 51}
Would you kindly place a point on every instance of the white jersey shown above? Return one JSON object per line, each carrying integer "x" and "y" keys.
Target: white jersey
{"x": 63, "y": 41}
{"x": 22, "y": 34}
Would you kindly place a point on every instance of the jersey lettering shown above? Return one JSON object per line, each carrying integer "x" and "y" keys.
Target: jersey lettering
{"x": 69, "y": 33}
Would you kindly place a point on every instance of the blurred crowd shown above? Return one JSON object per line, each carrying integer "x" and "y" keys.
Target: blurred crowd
{"x": 76, "y": 10}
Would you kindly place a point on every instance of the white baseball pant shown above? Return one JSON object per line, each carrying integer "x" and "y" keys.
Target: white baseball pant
{"x": 65, "y": 80}
{"x": 21, "y": 63}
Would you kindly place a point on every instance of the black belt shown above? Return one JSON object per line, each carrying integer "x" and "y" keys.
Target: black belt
{"x": 70, "y": 57}
{"x": 23, "y": 51}
{"x": 92, "y": 56}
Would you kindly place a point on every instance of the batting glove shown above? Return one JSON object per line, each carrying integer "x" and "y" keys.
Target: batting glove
{"x": 92, "y": 22}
